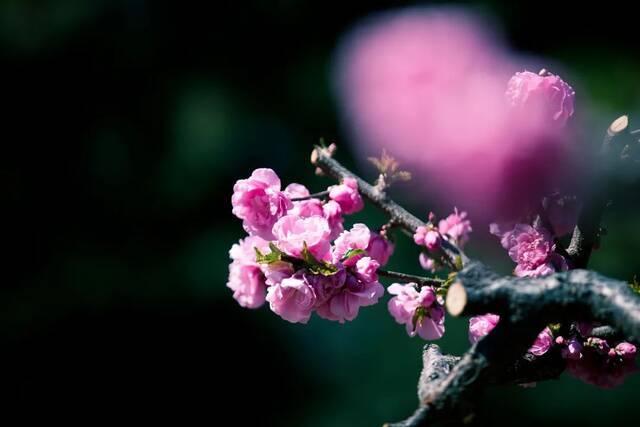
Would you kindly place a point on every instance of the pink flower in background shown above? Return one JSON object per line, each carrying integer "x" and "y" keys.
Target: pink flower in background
{"x": 542, "y": 343}
{"x": 457, "y": 226}
{"x": 429, "y": 85}
{"x": 480, "y": 326}
{"x": 626, "y": 350}
{"x": 380, "y": 248}
{"x": 259, "y": 203}
{"x": 547, "y": 95}
{"x": 600, "y": 369}
{"x": 246, "y": 279}
{"x": 293, "y": 232}
{"x": 292, "y": 299}
{"x": 531, "y": 248}
{"x": 347, "y": 195}
{"x": 418, "y": 310}
{"x": 356, "y": 238}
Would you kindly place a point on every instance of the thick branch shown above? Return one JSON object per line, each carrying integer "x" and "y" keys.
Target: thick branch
{"x": 561, "y": 297}
{"x": 585, "y": 235}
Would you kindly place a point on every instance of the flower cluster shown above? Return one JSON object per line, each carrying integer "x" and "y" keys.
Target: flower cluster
{"x": 597, "y": 361}
{"x": 454, "y": 228}
{"x": 531, "y": 248}
{"x": 297, "y": 256}
{"x": 418, "y": 308}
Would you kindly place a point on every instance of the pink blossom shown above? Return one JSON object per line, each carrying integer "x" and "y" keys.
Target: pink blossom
{"x": 432, "y": 240}
{"x": 456, "y": 226}
{"x": 531, "y": 248}
{"x": 543, "y": 343}
{"x": 293, "y": 232}
{"x": 367, "y": 268}
{"x": 380, "y": 248}
{"x": 345, "y": 304}
{"x": 292, "y": 299}
{"x": 347, "y": 195}
{"x": 259, "y": 202}
{"x": 427, "y": 263}
{"x": 600, "y": 369}
{"x": 480, "y": 326}
{"x": 246, "y": 280}
{"x": 295, "y": 190}
{"x": 626, "y": 350}
{"x": 276, "y": 271}
{"x": 419, "y": 235}
{"x": 419, "y": 311}
{"x": 307, "y": 208}
{"x": 546, "y": 95}
{"x": 356, "y": 238}
{"x": 333, "y": 213}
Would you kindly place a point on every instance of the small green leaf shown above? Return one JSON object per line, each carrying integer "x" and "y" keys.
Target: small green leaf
{"x": 274, "y": 256}
{"x": 353, "y": 252}
{"x": 317, "y": 267}
{"x": 635, "y": 285}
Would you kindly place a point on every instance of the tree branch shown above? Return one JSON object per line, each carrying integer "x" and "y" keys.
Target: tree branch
{"x": 449, "y": 385}
{"x": 321, "y": 158}
{"x": 585, "y": 235}
{"x": 421, "y": 280}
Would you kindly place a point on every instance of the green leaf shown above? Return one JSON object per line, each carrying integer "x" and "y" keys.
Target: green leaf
{"x": 317, "y": 267}
{"x": 274, "y": 256}
{"x": 352, "y": 252}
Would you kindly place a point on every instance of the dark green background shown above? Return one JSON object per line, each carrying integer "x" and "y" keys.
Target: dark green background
{"x": 128, "y": 123}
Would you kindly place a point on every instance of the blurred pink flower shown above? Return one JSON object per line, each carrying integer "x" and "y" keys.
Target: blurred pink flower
{"x": 429, "y": 86}
{"x": 545, "y": 94}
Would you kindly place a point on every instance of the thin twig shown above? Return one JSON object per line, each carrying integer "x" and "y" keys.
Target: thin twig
{"x": 318, "y": 195}
{"x": 420, "y": 280}
{"x": 321, "y": 158}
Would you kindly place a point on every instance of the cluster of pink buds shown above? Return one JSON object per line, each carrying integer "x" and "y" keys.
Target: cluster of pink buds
{"x": 298, "y": 257}
{"x": 455, "y": 228}
{"x": 601, "y": 362}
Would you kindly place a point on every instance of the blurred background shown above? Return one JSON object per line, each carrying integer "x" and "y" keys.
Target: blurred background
{"x": 128, "y": 123}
